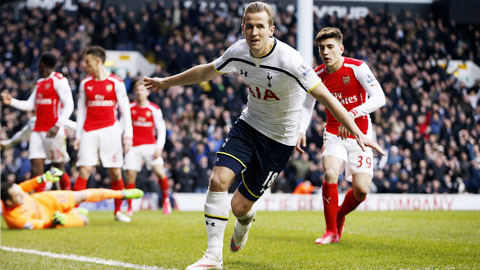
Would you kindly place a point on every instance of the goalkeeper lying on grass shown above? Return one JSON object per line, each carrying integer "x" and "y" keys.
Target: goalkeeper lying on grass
{"x": 51, "y": 209}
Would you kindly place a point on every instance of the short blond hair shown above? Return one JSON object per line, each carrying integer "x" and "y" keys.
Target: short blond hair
{"x": 329, "y": 32}
{"x": 256, "y": 7}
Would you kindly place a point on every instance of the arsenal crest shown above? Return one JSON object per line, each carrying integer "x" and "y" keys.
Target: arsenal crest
{"x": 148, "y": 113}
{"x": 346, "y": 79}
{"x": 47, "y": 86}
{"x": 109, "y": 87}
{"x": 134, "y": 112}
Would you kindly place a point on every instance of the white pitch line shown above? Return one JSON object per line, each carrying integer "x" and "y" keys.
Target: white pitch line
{"x": 73, "y": 257}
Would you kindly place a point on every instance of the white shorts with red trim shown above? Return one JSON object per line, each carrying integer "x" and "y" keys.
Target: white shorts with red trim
{"x": 142, "y": 153}
{"x": 53, "y": 149}
{"x": 355, "y": 160}
{"x": 104, "y": 142}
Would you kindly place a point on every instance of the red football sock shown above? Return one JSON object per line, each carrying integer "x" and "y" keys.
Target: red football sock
{"x": 80, "y": 184}
{"x": 130, "y": 185}
{"x": 117, "y": 185}
{"x": 330, "y": 205}
{"x": 349, "y": 204}
{"x": 40, "y": 187}
{"x": 164, "y": 185}
{"x": 65, "y": 182}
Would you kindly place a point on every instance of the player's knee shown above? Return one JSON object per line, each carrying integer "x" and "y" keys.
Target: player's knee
{"x": 116, "y": 173}
{"x": 217, "y": 183}
{"x": 331, "y": 175}
{"x": 85, "y": 171}
{"x": 239, "y": 210}
{"x": 361, "y": 192}
{"x": 220, "y": 180}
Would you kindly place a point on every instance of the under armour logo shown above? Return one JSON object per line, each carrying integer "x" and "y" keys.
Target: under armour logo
{"x": 327, "y": 200}
{"x": 244, "y": 73}
{"x": 225, "y": 142}
{"x": 212, "y": 223}
{"x": 269, "y": 78}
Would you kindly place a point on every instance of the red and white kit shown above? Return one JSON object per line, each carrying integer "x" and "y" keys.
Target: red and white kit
{"x": 360, "y": 93}
{"x": 53, "y": 104}
{"x": 146, "y": 121}
{"x": 97, "y": 126}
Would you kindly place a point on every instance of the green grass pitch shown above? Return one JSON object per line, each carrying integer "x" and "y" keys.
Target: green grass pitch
{"x": 277, "y": 240}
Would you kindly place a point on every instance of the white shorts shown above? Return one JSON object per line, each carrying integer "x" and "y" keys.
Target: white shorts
{"x": 355, "y": 160}
{"x": 106, "y": 142}
{"x": 138, "y": 154}
{"x": 53, "y": 149}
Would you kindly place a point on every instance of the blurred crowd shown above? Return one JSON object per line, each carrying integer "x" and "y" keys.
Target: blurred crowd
{"x": 430, "y": 125}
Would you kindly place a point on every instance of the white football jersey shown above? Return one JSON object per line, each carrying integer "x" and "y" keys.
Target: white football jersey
{"x": 276, "y": 85}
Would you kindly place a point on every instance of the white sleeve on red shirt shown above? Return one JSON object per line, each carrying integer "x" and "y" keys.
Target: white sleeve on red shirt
{"x": 25, "y": 105}
{"x": 376, "y": 97}
{"x": 160, "y": 127}
{"x": 124, "y": 107}
{"x": 81, "y": 110}
{"x": 306, "y": 115}
{"x": 64, "y": 92}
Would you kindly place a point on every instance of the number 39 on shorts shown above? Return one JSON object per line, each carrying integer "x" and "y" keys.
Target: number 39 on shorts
{"x": 364, "y": 162}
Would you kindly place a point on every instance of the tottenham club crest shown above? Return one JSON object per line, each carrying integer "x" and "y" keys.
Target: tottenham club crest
{"x": 346, "y": 79}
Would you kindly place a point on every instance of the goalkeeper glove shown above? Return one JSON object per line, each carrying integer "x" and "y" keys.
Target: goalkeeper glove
{"x": 59, "y": 219}
{"x": 53, "y": 175}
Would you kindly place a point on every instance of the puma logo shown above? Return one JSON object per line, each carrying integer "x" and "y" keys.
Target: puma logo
{"x": 327, "y": 200}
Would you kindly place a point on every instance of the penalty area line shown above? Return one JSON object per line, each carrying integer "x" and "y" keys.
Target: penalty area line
{"x": 74, "y": 257}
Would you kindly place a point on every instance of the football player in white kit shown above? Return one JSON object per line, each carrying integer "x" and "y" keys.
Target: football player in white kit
{"x": 262, "y": 140}
{"x": 53, "y": 104}
{"x": 147, "y": 119}
{"x": 351, "y": 81}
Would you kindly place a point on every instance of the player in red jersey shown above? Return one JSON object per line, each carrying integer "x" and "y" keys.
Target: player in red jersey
{"x": 351, "y": 81}
{"x": 53, "y": 104}
{"x": 98, "y": 130}
{"x": 147, "y": 119}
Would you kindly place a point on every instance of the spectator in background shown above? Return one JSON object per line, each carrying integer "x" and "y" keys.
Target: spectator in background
{"x": 184, "y": 175}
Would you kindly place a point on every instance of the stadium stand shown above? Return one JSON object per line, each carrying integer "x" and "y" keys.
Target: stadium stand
{"x": 430, "y": 125}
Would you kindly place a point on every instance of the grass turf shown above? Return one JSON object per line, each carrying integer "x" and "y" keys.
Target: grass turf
{"x": 277, "y": 240}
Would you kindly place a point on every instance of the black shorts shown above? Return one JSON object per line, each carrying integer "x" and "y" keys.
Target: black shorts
{"x": 259, "y": 158}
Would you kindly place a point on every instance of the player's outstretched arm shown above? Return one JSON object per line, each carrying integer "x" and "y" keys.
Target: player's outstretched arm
{"x": 321, "y": 93}
{"x": 200, "y": 73}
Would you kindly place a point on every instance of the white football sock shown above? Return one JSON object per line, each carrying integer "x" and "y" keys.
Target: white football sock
{"x": 249, "y": 217}
{"x": 216, "y": 218}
